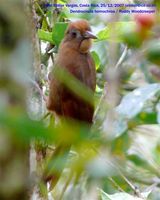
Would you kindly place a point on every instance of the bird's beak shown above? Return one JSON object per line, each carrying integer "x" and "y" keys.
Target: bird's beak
{"x": 89, "y": 34}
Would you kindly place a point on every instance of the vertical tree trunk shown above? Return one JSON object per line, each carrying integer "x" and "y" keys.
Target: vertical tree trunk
{"x": 15, "y": 60}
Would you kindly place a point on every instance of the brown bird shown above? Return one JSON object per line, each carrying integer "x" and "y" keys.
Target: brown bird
{"x": 74, "y": 56}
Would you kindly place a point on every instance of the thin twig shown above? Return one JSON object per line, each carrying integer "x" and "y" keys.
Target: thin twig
{"x": 135, "y": 189}
{"x": 100, "y": 102}
{"x": 116, "y": 185}
{"x": 46, "y": 115}
{"x": 66, "y": 185}
{"x": 35, "y": 84}
{"x": 121, "y": 59}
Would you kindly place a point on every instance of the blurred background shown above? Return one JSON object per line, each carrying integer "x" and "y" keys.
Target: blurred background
{"x": 119, "y": 157}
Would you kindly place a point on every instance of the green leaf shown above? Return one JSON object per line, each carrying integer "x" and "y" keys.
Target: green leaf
{"x": 130, "y": 36}
{"x": 45, "y": 35}
{"x": 44, "y": 25}
{"x": 62, "y": 1}
{"x": 104, "y": 34}
{"x": 153, "y": 51}
{"x": 137, "y": 160}
{"x": 131, "y": 105}
{"x": 114, "y": 29}
{"x": 145, "y": 118}
{"x": 156, "y": 153}
{"x": 22, "y": 127}
{"x": 58, "y": 32}
{"x": 25, "y": 129}
{"x": 96, "y": 59}
{"x": 143, "y": 162}
{"x": 121, "y": 196}
{"x": 158, "y": 112}
{"x": 121, "y": 144}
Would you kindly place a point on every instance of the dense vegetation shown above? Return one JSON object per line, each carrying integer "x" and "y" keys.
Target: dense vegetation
{"x": 119, "y": 157}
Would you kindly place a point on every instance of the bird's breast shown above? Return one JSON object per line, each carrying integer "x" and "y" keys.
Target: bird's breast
{"x": 78, "y": 64}
{"x": 85, "y": 45}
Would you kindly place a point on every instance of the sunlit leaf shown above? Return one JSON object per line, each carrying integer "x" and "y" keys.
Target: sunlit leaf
{"x": 45, "y": 35}
{"x": 58, "y": 32}
{"x": 96, "y": 59}
{"x": 44, "y": 25}
{"x": 114, "y": 29}
{"x": 62, "y": 1}
{"x": 104, "y": 34}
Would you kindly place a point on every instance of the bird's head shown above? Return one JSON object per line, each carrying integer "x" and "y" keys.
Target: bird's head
{"x": 79, "y": 35}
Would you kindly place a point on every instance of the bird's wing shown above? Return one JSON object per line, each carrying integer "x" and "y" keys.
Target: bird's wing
{"x": 62, "y": 100}
{"x": 54, "y": 99}
{"x": 72, "y": 105}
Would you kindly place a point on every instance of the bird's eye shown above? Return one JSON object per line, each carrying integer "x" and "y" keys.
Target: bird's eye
{"x": 74, "y": 33}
